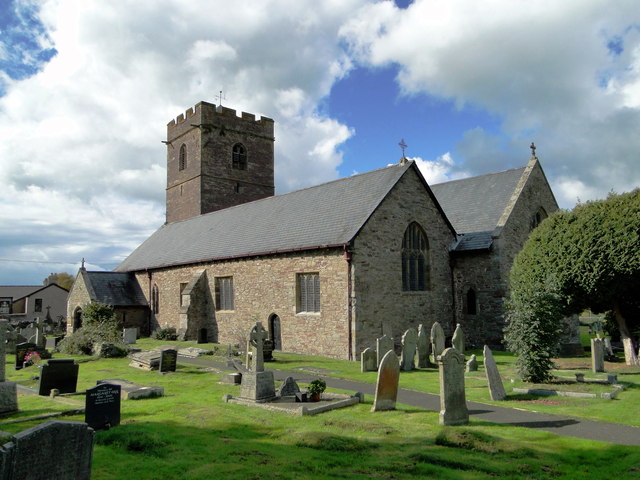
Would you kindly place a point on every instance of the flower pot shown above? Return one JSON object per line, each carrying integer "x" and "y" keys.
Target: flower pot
{"x": 315, "y": 397}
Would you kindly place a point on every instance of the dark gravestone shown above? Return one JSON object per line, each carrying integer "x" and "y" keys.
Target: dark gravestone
{"x": 59, "y": 374}
{"x": 168, "y": 360}
{"x": 102, "y": 406}
{"x": 21, "y": 352}
{"x": 267, "y": 350}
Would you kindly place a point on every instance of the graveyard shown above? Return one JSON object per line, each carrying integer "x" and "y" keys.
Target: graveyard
{"x": 188, "y": 431}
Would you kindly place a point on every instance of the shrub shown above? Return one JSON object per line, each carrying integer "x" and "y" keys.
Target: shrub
{"x": 100, "y": 325}
{"x": 168, "y": 333}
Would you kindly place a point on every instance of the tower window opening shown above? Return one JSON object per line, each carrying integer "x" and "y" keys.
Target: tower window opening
{"x": 239, "y": 157}
{"x": 182, "y": 162}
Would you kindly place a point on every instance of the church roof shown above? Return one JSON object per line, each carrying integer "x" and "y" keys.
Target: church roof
{"x": 326, "y": 215}
{"x": 475, "y": 204}
{"x": 114, "y": 288}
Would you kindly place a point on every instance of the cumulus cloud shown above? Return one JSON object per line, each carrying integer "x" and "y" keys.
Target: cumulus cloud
{"x": 81, "y": 158}
{"x": 565, "y": 74}
{"x": 442, "y": 169}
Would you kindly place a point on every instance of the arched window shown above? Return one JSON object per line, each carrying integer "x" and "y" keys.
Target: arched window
{"x": 239, "y": 157}
{"x": 155, "y": 299}
{"x": 415, "y": 259}
{"x": 471, "y": 302}
{"x": 182, "y": 162}
{"x": 538, "y": 217}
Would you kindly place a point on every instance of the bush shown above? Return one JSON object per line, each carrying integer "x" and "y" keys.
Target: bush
{"x": 168, "y": 333}
{"x": 100, "y": 325}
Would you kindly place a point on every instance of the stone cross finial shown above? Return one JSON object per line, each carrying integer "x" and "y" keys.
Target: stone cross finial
{"x": 255, "y": 343}
{"x": 533, "y": 149}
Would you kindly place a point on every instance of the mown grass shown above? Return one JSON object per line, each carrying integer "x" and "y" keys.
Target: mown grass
{"x": 191, "y": 434}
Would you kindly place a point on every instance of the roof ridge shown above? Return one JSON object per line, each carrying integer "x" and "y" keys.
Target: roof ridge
{"x": 479, "y": 176}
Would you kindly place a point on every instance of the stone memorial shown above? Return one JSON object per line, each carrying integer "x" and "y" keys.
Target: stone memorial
{"x": 149, "y": 360}
{"x": 409, "y": 344}
{"x": 8, "y": 390}
{"x": 384, "y": 344}
{"x": 457, "y": 341}
{"x": 597, "y": 355}
{"x": 40, "y": 340}
{"x": 496, "y": 388}
{"x": 257, "y": 384}
{"x": 29, "y": 333}
{"x": 129, "y": 336}
{"x": 423, "y": 347}
{"x": 608, "y": 349}
{"x": 168, "y": 360}
{"x": 437, "y": 341}
{"x": 472, "y": 364}
{"x": 21, "y": 353}
{"x": 53, "y": 450}
{"x": 133, "y": 391}
{"x": 102, "y": 406}
{"x": 267, "y": 350}
{"x": 288, "y": 388}
{"x": 453, "y": 403}
{"x": 387, "y": 383}
{"x": 61, "y": 374}
{"x": 368, "y": 360}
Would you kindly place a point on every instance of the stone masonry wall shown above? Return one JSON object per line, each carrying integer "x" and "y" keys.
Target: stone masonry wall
{"x": 377, "y": 292}
{"x": 78, "y": 298}
{"x": 264, "y": 286}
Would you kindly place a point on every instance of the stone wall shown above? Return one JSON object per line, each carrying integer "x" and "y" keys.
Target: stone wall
{"x": 78, "y": 298}
{"x": 377, "y": 294}
{"x": 265, "y": 286}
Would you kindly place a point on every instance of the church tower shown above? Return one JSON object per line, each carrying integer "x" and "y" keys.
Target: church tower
{"x": 217, "y": 159}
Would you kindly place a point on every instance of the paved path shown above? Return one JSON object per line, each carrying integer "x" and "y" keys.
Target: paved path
{"x": 561, "y": 425}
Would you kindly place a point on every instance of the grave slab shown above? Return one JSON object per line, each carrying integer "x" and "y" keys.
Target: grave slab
{"x": 133, "y": 391}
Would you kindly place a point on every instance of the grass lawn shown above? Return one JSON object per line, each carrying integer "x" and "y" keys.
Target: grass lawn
{"x": 191, "y": 434}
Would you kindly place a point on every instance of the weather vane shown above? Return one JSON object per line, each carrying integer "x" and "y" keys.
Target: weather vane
{"x": 403, "y": 145}
{"x": 220, "y": 97}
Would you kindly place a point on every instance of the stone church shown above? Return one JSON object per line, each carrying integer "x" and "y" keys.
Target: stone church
{"x": 327, "y": 269}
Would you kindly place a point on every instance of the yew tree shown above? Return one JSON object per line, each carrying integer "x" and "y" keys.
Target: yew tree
{"x": 587, "y": 258}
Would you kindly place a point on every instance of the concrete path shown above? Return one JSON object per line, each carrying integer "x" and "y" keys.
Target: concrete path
{"x": 560, "y": 425}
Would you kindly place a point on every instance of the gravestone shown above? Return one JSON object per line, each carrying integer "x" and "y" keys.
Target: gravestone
{"x": 168, "y": 360}
{"x": 102, "y": 406}
{"x": 267, "y": 350}
{"x": 472, "y": 364}
{"x": 384, "y": 344}
{"x": 288, "y": 388}
{"x": 457, "y": 341}
{"x": 8, "y": 390}
{"x": 149, "y": 360}
{"x": 129, "y": 336}
{"x": 60, "y": 374}
{"x": 409, "y": 344}
{"x": 423, "y": 347}
{"x": 53, "y": 450}
{"x": 597, "y": 355}
{"x": 453, "y": 403}
{"x": 40, "y": 340}
{"x": 437, "y": 340}
{"x": 368, "y": 360}
{"x": 608, "y": 349}
{"x": 29, "y": 333}
{"x": 133, "y": 391}
{"x": 257, "y": 385}
{"x": 496, "y": 388}
{"x": 387, "y": 383}
{"x": 21, "y": 352}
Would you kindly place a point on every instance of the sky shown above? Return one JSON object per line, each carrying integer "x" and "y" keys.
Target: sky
{"x": 87, "y": 88}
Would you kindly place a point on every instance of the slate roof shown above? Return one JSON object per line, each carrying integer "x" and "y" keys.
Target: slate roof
{"x": 114, "y": 288}
{"x": 18, "y": 291}
{"x": 326, "y": 215}
{"x": 474, "y": 205}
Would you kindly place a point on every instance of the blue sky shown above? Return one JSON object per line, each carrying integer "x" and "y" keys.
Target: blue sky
{"x": 87, "y": 88}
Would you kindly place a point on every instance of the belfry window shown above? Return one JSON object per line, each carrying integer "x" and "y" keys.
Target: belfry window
{"x": 415, "y": 259}
{"x": 471, "y": 302}
{"x": 182, "y": 161}
{"x": 239, "y": 157}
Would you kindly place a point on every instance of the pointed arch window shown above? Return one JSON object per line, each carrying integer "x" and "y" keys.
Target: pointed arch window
{"x": 415, "y": 259}
{"x": 538, "y": 217}
{"x": 182, "y": 161}
{"x": 471, "y": 302}
{"x": 155, "y": 299}
{"x": 239, "y": 157}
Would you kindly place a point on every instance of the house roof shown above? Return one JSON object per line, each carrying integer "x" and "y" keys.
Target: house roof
{"x": 475, "y": 205}
{"x": 17, "y": 292}
{"x": 114, "y": 288}
{"x": 326, "y": 215}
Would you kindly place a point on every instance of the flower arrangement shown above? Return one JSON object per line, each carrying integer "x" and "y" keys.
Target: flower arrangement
{"x": 32, "y": 358}
{"x": 316, "y": 387}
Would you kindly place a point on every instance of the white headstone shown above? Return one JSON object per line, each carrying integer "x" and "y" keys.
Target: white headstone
{"x": 597, "y": 355}
{"x": 453, "y": 403}
{"x": 368, "y": 360}
{"x": 409, "y": 344}
{"x": 457, "y": 341}
{"x": 387, "y": 383}
{"x": 437, "y": 340}
{"x": 496, "y": 388}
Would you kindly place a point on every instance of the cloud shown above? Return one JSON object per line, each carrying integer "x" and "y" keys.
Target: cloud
{"x": 442, "y": 169}
{"x": 563, "y": 74}
{"x": 81, "y": 160}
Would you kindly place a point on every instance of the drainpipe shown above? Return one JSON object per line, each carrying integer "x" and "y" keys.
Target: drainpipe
{"x": 347, "y": 257}
{"x": 150, "y": 293}
{"x": 452, "y": 264}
